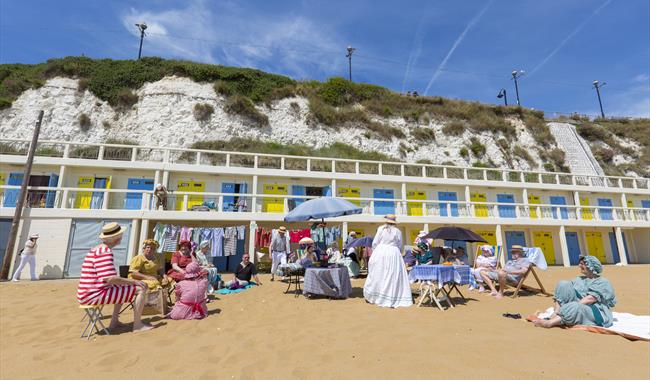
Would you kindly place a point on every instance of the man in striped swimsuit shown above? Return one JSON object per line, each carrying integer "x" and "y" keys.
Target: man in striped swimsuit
{"x": 100, "y": 285}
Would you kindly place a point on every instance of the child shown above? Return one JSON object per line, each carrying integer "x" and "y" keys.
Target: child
{"x": 190, "y": 294}
{"x": 486, "y": 260}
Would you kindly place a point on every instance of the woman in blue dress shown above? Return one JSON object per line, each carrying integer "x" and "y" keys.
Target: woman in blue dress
{"x": 585, "y": 300}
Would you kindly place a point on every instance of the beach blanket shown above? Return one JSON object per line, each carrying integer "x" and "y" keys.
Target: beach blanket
{"x": 228, "y": 291}
{"x": 629, "y": 326}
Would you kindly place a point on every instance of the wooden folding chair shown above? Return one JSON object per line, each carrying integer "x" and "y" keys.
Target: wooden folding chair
{"x": 94, "y": 315}
{"x": 520, "y": 284}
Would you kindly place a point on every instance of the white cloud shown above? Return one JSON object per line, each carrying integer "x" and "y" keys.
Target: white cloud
{"x": 230, "y": 35}
{"x": 643, "y": 77}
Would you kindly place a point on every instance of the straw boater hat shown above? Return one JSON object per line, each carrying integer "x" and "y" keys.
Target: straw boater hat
{"x": 111, "y": 230}
{"x": 517, "y": 248}
{"x": 192, "y": 270}
{"x": 390, "y": 219}
{"x": 306, "y": 240}
{"x": 282, "y": 229}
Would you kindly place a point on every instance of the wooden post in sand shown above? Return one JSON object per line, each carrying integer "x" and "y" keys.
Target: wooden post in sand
{"x": 6, "y": 263}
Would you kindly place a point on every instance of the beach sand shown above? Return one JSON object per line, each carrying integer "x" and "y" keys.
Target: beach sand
{"x": 263, "y": 333}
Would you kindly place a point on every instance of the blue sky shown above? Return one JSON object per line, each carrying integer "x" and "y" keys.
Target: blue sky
{"x": 459, "y": 49}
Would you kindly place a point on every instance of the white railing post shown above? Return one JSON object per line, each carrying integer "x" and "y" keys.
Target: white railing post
{"x": 100, "y": 154}
{"x": 424, "y": 209}
{"x": 64, "y": 199}
{"x": 333, "y": 166}
{"x": 185, "y": 196}
{"x": 448, "y": 207}
{"x": 573, "y": 180}
{"x": 220, "y": 203}
{"x": 402, "y": 169}
{"x": 424, "y": 171}
{"x": 597, "y": 213}
{"x": 66, "y": 151}
{"x": 634, "y": 185}
{"x": 227, "y": 159}
{"x": 620, "y": 183}
{"x": 309, "y": 164}
{"x": 134, "y": 154}
{"x": 145, "y": 202}
{"x": 539, "y": 178}
{"x": 255, "y": 161}
{"x": 356, "y": 167}
{"x": 282, "y": 163}
{"x": 444, "y": 173}
{"x": 166, "y": 156}
{"x": 286, "y": 204}
{"x": 464, "y": 173}
{"x": 517, "y": 212}
{"x": 495, "y": 211}
{"x": 484, "y": 175}
{"x": 380, "y": 169}
{"x": 198, "y": 158}
{"x": 504, "y": 176}
{"x": 557, "y": 179}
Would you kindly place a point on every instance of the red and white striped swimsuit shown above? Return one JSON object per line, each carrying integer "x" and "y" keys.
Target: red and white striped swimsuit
{"x": 98, "y": 265}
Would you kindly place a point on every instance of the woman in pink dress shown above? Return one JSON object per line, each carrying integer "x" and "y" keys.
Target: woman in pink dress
{"x": 180, "y": 260}
{"x": 190, "y": 295}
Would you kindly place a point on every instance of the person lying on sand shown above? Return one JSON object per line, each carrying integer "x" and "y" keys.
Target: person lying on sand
{"x": 585, "y": 300}
{"x": 512, "y": 272}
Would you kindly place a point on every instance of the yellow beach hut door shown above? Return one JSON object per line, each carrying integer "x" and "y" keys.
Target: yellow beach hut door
{"x": 350, "y": 192}
{"x": 587, "y": 214}
{"x": 489, "y": 236}
{"x": 84, "y": 198}
{"x": 481, "y": 211}
{"x": 595, "y": 245}
{"x": 274, "y": 204}
{"x": 532, "y": 201}
{"x": 415, "y": 208}
{"x": 192, "y": 200}
{"x": 544, "y": 240}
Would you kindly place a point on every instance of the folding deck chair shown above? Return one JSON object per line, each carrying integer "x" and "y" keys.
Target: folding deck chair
{"x": 94, "y": 315}
{"x": 537, "y": 259}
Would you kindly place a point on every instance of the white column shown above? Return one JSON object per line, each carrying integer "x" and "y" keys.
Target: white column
{"x": 251, "y": 241}
{"x": 144, "y": 231}
{"x": 133, "y": 240}
{"x": 59, "y": 195}
{"x": 333, "y": 185}
{"x": 623, "y": 200}
{"x": 499, "y": 236}
{"x": 524, "y": 200}
{"x": 576, "y": 201}
{"x": 468, "y": 194}
{"x": 621, "y": 247}
{"x": 165, "y": 179}
{"x": 564, "y": 248}
{"x": 254, "y": 192}
{"x": 425, "y": 227}
{"x": 156, "y": 177}
{"x": 344, "y": 231}
{"x": 403, "y": 209}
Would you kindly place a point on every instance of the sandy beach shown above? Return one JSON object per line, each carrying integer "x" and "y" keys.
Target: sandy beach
{"x": 263, "y": 333}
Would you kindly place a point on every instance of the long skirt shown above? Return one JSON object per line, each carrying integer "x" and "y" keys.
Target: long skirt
{"x": 387, "y": 284}
{"x": 574, "y": 313}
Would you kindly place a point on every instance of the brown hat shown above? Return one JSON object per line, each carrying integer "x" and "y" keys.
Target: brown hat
{"x": 111, "y": 230}
{"x": 282, "y": 229}
{"x": 390, "y": 219}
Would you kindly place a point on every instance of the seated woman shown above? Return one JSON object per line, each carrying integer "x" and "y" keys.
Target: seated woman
{"x": 423, "y": 255}
{"x": 305, "y": 257}
{"x": 334, "y": 254}
{"x": 144, "y": 267}
{"x": 585, "y": 300}
{"x": 180, "y": 260}
{"x": 485, "y": 261}
{"x": 100, "y": 284}
{"x": 190, "y": 293}
{"x": 350, "y": 261}
{"x": 213, "y": 274}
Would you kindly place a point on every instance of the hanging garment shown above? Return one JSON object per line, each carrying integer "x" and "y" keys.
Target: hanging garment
{"x": 230, "y": 241}
{"x": 262, "y": 237}
{"x": 170, "y": 239}
{"x": 297, "y": 235}
{"x": 241, "y": 232}
{"x": 196, "y": 235}
{"x": 186, "y": 233}
{"x": 159, "y": 235}
{"x": 217, "y": 242}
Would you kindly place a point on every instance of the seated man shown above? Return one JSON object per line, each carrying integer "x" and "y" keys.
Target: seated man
{"x": 460, "y": 257}
{"x": 512, "y": 272}
{"x": 245, "y": 270}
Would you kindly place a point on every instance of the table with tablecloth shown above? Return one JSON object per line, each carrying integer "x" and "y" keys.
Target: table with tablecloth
{"x": 330, "y": 282}
{"x": 434, "y": 278}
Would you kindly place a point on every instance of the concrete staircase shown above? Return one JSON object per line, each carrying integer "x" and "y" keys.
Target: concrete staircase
{"x": 578, "y": 154}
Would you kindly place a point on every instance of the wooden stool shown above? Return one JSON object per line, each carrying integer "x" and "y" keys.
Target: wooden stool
{"x": 94, "y": 315}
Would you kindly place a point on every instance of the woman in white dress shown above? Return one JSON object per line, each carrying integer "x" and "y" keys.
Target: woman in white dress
{"x": 387, "y": 284}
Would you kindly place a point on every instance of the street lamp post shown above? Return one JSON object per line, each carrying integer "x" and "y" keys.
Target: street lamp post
{"x": 349, "y": 55}
{"x": 503, "y": 94}
{"x": 142, "y": 27}
{"x": 517, "y": 74}
{"x": 597, "y": 86}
